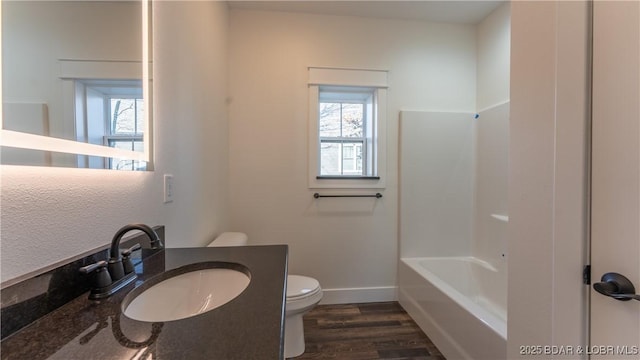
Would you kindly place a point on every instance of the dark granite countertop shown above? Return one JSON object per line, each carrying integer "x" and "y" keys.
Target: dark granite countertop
{"x": 249, "y": 327}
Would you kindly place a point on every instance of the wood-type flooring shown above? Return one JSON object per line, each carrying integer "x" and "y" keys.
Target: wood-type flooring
{"x": 365, "y": 332}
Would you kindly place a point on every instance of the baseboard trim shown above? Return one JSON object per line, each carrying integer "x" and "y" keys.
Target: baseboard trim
{"x": 359, "y": 295}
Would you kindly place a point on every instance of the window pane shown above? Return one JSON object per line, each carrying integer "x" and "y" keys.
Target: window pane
{"x": 330, "y": 159}
{"x": 344, "y": 129}
{"x": 329, "y": 119}
{"x": 121, "y": 164}
{"x": 126, "y": 116}
{"x": 124, "y": 164}
{"x": 352, "y": 120}
{"x": 123, "y": 116}
{"x": 121, "y": 144}
{"x": 347, "y": 151}
{"x": 140, "y": 116}
{"x": 138, "y": 146}
{"x": 127, "y": 144}
{"x": 351, "y": 163}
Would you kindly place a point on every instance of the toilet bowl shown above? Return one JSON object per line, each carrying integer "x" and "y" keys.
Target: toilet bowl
{"x": 303, "y": 294}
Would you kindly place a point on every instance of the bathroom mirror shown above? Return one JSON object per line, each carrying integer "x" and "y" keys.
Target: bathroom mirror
{"x": 76, "y": 84}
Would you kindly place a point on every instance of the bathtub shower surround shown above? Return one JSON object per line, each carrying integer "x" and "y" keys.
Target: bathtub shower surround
{"x": 459, "y": 303}
{"x": 453, "y": 259}
{"x": 491, "y": 158}
{"x": 436, "y": 183}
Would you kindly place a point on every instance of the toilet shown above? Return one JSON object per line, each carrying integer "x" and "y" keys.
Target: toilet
{"x": 303, "y": 294}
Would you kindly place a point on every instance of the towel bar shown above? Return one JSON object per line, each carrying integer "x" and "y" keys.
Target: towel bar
{"x": 376, "y": 195}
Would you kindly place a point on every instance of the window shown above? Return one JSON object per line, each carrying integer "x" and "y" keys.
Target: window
{"x": 347, "y": 140}
{"x": 346, "y": 126}
{"x": 111, "y": 113}
{"x": 125, "y": 128}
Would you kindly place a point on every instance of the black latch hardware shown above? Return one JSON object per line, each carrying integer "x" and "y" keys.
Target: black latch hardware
{"x": 586, "y": 275}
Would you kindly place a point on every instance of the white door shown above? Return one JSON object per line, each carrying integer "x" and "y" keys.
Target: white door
{"x": 615, "y": 216}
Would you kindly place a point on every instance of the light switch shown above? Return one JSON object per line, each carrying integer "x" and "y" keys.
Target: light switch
{"x": 168, "y": 188}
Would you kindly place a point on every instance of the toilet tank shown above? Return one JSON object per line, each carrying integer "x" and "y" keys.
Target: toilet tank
{"x": 230, "y": 239}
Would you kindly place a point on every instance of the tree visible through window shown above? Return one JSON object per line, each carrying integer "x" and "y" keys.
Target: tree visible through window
{"x": 126, "y": 128}
{"x": 345, "y": 131}
{"x": 110, "y": 113}
{"x": 347, "y": 128}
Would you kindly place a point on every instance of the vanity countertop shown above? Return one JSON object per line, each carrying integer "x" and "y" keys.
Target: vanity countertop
{"x": 249, "y": 327}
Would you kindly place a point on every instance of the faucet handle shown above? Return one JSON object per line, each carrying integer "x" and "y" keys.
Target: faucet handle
{"x": 126, "y": 258}
{"x": 93, "y": 267}
{"x": 127, "y": 252}
{"x": 102, "y": 278}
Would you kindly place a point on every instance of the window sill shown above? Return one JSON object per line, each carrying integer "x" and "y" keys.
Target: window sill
{"x": 337, "y": 177}
{"x": 346, "y": 182}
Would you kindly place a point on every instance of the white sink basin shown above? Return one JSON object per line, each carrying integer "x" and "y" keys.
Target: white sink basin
{"x": 186, "y": 295}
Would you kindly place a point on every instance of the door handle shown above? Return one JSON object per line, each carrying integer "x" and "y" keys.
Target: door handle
{"x": 616, "y": 286}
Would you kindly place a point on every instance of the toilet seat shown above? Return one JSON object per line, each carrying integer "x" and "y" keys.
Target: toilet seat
{"x": 300, "y": 287}
{"x": 303, "y": 293}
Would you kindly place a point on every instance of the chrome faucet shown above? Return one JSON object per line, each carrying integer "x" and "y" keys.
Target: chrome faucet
{"x": 116, "y": 268}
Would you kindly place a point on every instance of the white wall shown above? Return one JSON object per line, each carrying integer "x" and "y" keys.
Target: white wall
{"x": 547, "y": 175}
{"x": 494, "y": 51}
{"x": 51, "y": 214}
{"x": 344, "y": 243}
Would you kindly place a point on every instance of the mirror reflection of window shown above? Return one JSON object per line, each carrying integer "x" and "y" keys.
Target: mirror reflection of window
{"x": 50, "y": 46}
{"x": 111, "y": 113}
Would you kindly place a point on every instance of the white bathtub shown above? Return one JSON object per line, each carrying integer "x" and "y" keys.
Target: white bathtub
{"x": 459, "y": 302}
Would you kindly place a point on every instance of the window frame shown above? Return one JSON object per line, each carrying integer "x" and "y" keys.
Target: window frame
{"x": 376, "y": 81}
{"x": 367, "y": 98}
{"x": 108, "y": 135}
{"x": 132, "y": 137}
{"x": 102, "y": 92}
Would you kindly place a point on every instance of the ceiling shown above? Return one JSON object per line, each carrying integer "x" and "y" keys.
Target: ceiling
{"x": 450, "y": 11}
